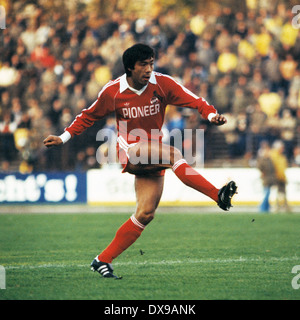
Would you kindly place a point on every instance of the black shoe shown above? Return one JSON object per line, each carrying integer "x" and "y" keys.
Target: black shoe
{"x": 225, "y": 194}
{"x": 105, "y": 269}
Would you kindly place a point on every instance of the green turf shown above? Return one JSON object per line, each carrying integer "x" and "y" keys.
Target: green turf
{"x": 185, "y": 257}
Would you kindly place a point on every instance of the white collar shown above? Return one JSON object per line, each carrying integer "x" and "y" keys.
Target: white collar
{"x": 124, "y": 84}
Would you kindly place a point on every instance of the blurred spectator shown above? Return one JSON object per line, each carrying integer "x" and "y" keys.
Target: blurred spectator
{"x": 246, "y": 50}
{"x": 66, "y": 118}
{"x": 221, "y": 94}
{"x": 64, "y": 96}
{"x": 267, "y": 170}
{"x": 197, "y": 24}
{"x": 89, "y": 42}
{"x": 287, "y": 69}
{"x": 280, "y": 163}
{"x": 270, "y": 68}
{"x": 7, "y": 144}
{"x": 240, "y": 101}
{"x": 238, "y": 145}
{"x": 102, "y": 74}
{"x": 262, "y": 41}
{"x": 156, "y": 39}
{"x": 92, "y": 89}
{"x": 28, "y": 37}
{"x": 90, "y": 159}
{"x": 32, "y": 92}
{"x": 8, "y": 75}
{"x": 16, "y": 111}
{"x": 257, "y": 82}
{"x": 227, "y": 61}
{"x": 288, "y": 35}
{"x": 287, "y": 126}
{"x": 270, "y": 102}
{"x": 258, "y": 126}
{"x": 56, "y": 113}
{"x": 4, "y": 103}
{"x": 206, "y": 54}
{"x": 40, "y": 55}
{"x": 223, "y": 41}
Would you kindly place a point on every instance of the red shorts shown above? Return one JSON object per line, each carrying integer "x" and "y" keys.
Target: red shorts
{"x": 122, "y": 149}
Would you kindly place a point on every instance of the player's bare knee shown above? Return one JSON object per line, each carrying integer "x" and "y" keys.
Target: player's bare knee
{"x": 144, "y": 216}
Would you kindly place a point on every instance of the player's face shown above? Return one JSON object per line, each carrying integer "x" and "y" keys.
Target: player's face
{"x": 141, "y": 73}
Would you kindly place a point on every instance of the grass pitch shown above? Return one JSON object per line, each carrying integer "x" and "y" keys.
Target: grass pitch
{"x": 180, "y": 256}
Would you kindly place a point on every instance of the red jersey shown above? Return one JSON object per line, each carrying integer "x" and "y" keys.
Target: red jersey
{"x": 139, "y": 109}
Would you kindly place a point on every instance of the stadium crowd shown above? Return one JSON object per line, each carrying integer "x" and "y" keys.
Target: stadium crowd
{"x": 52, "y": 65}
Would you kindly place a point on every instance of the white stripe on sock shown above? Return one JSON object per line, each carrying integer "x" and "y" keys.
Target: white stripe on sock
{"x": 136, "y": 222}
{"x": 178, "y": 164}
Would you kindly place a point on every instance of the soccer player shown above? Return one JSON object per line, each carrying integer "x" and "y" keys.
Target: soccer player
{"x": 139, "y": 99}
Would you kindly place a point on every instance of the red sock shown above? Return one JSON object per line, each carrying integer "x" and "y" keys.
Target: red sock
{"x": 126, "y": 235}
{"x": 193, "y": 179}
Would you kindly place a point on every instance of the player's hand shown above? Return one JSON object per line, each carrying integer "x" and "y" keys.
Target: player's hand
{"x": 218, "y": 120}
{"x": 51, "y": 141}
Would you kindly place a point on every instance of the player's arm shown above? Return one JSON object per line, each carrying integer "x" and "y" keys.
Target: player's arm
{"x": 82, "y": 121}
{"x": 99, "y": 109}
{"x": 181, "y": 96}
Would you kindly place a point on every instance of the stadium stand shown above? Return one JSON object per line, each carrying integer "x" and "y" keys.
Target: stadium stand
{"x": 52, "y": 65}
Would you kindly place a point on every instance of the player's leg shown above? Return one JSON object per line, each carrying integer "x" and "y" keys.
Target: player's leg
{"x": 166, "y": 156}
{"x": 148, "y": 193}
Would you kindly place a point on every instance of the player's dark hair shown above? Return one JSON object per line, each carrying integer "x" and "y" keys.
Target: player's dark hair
{"x": 138, "y": 52}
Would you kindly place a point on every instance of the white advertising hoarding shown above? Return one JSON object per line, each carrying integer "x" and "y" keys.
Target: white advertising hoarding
{"x": 110, "y": 186}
